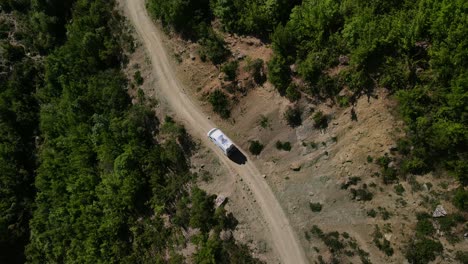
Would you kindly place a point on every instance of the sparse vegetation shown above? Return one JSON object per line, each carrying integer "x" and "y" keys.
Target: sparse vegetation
{"x": 264, "y": 121}
{"x": 399, "y": 189}
{"x": 292, "y": 93}
{"x": 423, "y": 250}
{"x": 255, "y": 147}
{"x": 320, "y": 120}
{"x": 220, "y": 103}
{"x": 255, "y": 67}
{"x": 286, "y": 146}
{"x": 315, "y": 207}
{"x": 138, "y": 78}
{"x": 382, "y": 243}
{"x": 293, "y": 116}
{"x": 230, "y": 70}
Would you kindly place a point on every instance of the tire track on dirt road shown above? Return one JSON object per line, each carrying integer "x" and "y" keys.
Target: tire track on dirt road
{"x": 285, "y": 242}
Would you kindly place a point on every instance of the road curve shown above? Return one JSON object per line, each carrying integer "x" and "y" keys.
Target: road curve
{"x": 285, "y": 242}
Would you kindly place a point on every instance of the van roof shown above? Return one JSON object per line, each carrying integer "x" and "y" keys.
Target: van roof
{"x": 220, "y": 138}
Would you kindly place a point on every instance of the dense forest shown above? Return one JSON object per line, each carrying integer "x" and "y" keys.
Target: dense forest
{"x": 87, "y": 176}
{"x": 417, "y": 50}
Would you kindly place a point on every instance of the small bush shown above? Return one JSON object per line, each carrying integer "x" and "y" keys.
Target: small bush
{"x": 399, "y": 189}
{"x": 292, "y": 93}
{"x": 213, "y": 47}
{"x": 369, "y": 159}
{"x": 293, "y": 116}
{"x": 255, "y": 147}
{"x": 372, "y": 213}
{"x": 230, "y": 69}
{"x": 423, "y": 250}
{"x": 321, "y": 120}
{"x": 220, "y": 103}
{"x": 460, "y": 199}
{"x": 138, "y": 78}
{"x": 315, "y": 207}
{"x": 361, "y": 194}
{"x": 462, "y": 257}
{"x": 264, "y": 121}
{"x": 283, "y": 145}
{"x": 414, "y": 166}
{"x": 351, "y": 181}
{"x": 343, "y": 101}
{"x": 424, "y": 227}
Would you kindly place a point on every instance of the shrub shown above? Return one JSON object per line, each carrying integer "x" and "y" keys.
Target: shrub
{"x": 351, "y": 181}
{"x": 382, "y": 243}
{"x": 283, "y": 145}
{"x": 343, "y": 101}
{"x": 462, "y": 257}
{"x": 460, "y": 199}
{"x": 292, "y": 93}
{"x": 264, "y": 121}
{"x": 230, "y": 69}
{"x": 279, "y": 73}
{"x": 369, "y": 159}
{"x": 213, "y": 47}
{"x": 361, "y": 194}
{"x": 138, "y": 79}
{"x": 220, "y": 103}
{"x": 424, "y": 227}
{"x": 423, "y": 250}
{"x": 315, "y": 207}
{"x": 255, "y": 147}
{"x": 293, "y": 116}
{"x": 414, "y": 165}
{"x": 255, "y": 67}
{"x": 372, "y": 213}
{"x": 321, "y": 120}
{"x": 399, "y": 189}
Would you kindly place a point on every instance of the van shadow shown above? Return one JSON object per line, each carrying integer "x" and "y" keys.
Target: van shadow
{"x": 237, "y": 156}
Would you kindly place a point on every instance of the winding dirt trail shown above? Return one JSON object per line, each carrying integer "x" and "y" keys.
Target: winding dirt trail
{"x": 285, "y": 242}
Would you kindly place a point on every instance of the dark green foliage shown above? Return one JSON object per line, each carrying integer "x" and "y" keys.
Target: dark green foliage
{"x": 292, "y": 93}
{"x": 293, "y": 116}
{"x": 230, "y": 69}
{"x": 423, "y": 250}
{"x": 220, "y": 103}
{"x": 138, "y": 79}
{"x": 315, "y": 207}
{"x": 424, "y": 227}
{"x": 202, "y": 210}
{"x": 361, "y": 194}
{"x": 255, "y": 147}
{"x": 184, "y": 16}
{"x": 382, "y": 243}
{"x": 320, "y": 120}
{"x": 351, "y": 181}
{"x": 462, "y": 257}
{"x": 213, "y": 47}
{"x": 372, "y": 213}
{"x": 370, "y": 159}
{"x": 279, "y": 74}
{"x": 460, "y": 199}
{"x": 399, "y": 189}
{"x": 283, "y": 145}
{"x": 251, "y": 16}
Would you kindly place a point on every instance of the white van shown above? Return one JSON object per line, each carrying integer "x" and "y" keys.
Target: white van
{"x": 221, "y": 140}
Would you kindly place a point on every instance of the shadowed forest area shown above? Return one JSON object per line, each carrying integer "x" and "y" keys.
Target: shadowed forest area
{"x": 87, "y": 176}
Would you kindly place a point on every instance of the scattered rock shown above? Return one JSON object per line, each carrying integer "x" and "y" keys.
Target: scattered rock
{"x": 220, "y": 200}
{"x": 293, "y": 68}
{"x": 202, "y": 166}
{"x": 296, "y": 166}
{"x": 439, "y": 211}
{"x": 343, "y": 59}
{"x": 225, "y": 235}
{"x": 393, "y": 148}
{"x": 240, "y": 56}
{"x": 264, "y": 176}
{"x": 192, "y": 57}
{"x": 388, "y": 236}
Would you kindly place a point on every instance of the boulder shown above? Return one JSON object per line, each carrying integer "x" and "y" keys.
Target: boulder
{"x": 220, "y": 200}
{"x": 343, "y": 59}
{"x": 439, "y": 212}
{"x": 295, "y": 166}
{"x": 225, "y": 235}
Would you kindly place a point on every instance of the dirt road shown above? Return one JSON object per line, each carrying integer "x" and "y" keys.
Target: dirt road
{"x": 284, "y": 240}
